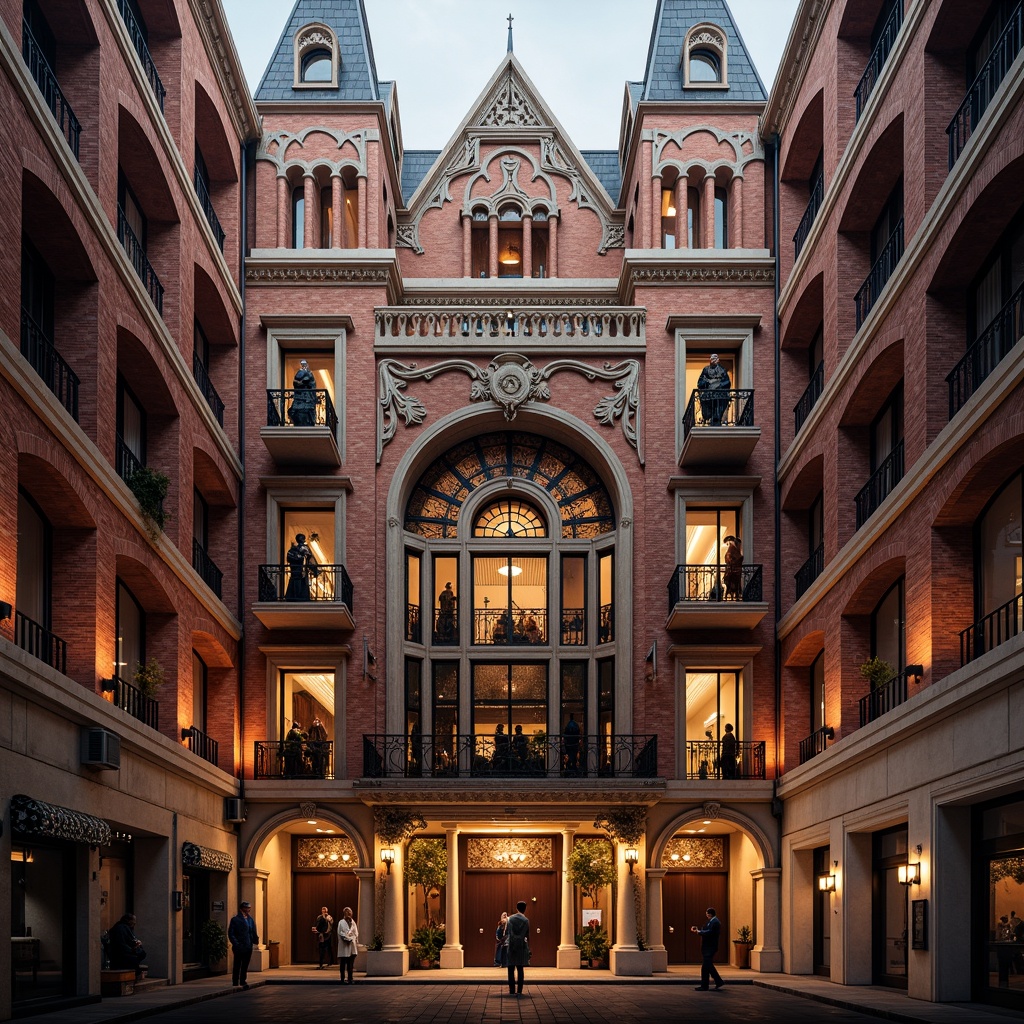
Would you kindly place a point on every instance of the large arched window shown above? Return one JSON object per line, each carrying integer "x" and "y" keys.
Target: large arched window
{"x": 998, "y": 560}
{"x": 317, "y": 58}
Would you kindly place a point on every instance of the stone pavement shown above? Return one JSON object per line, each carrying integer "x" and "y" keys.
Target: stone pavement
{"x": 480, "y": 995}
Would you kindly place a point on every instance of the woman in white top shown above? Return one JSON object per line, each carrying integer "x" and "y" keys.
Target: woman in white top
{"x": 348, "y": 945}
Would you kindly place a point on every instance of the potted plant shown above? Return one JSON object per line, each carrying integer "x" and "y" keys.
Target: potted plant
{"x": 877, "y": 671}
{"x": 426, "y": 944}
{"x": 593, "y": 943}
{"x": 150, "y": 488}
{"x": 148, "y": 678}
{"x": 214, "y": 944}
{"x": 426, "y": 865}
{"x": 591, "y": 867}
{"x": 743, "y": 944}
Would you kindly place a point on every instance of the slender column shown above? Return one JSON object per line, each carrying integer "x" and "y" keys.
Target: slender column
{"x": 252, "y": 886}
{"x": 625, "y": 915}
{"x": 394, "y": 906}
{"x": 766, "y": 956}
{"x": 467, "y": 245}
{"x": 366, "y": 909}
{"x": 655, "y": 917}
{"x": 363, "y": 212}
{"x": 736, "y": 214}
{"x": 709, "y": 213}
{"x": 492, "y": 245}
{"x": 284, "y": 220}
{"x": 656, "y": 242}
{"x": 343, "y": 232}
{"x": 552, "y": 270}
{"x": 452, "y": 954}
{"x": 568, "y": 956}
{"x": 682, "y": 197}
{"x": 527, "y": 246}
{"x": 308, "y": 194}
{"x": 337, "y": 210}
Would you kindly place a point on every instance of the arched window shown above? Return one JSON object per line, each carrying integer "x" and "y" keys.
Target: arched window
{"x": 998, "y": 560}
{"x": 704, "y": 58}
{"x": 317, "y": 66}
{"x": 298, "y": 217}
{"x": 888, "y": 623}
{"x": 704, "y": 66}
{"x": 316, "y": 58}
{"x": 721, "y": 219}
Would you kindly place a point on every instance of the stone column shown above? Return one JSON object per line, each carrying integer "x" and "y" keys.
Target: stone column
{"x": 492, "y": 245}
{"x": 708, "y": 241}
{"x": 682, "y": 198}
{"x": 766, "y": 956}
{"x": 366, "y": 913}
{"x": 552, "y": 270}
{"x": 284, "y": 213}
{"x": 393, "y": 959}
{"x": 252, "y": 886}
{"x": 467, "y": 245}
{"x": 527, "y": 246}
{"x": 308, "y": 195}
{"x": 656, "y": 920}
{"x": 452, "y": 953}
{"x": 363, "y": 212}
{"x": 626, "y": 958}
{"x": 337, "y": 210}
{"x": 656, "y": 240}
{"x": 736, "y": 214}
{"x": 568, "y": 956}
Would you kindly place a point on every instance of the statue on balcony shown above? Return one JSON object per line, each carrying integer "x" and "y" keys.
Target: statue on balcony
{"x": 303, "y": 409}
{"x": 733, "y": 575}
{"x": 713, "y": 386}
{"x": 301, "y": 566}
{"x": 446, "y": 615}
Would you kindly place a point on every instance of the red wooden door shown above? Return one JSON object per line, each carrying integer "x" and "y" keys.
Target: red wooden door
{"x": 685, "y": 897}
{"x": 485, "y": 894}
{"x": 311, "y": 891}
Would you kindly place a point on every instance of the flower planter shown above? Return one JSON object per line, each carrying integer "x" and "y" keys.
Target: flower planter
{"x": 741, "y": 953}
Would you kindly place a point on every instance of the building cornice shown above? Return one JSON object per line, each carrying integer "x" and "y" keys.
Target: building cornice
{"x": 695, "y": 267}
{"x": 702, "y": 321}
{"x": 550, "y": 795}
{"x": 359, "y": 267}
{"x": 278, "y": 321}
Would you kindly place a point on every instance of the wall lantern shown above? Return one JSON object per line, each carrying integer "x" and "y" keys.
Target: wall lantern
{"x": 387, "y": 856}
{"x": 826, "y": 883}
{"x": 909, "y": 874}
{"x": 914, "y": 670}
{"x": 631, "y": 858}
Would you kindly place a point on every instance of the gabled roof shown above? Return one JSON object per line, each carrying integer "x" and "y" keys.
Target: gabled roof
{"x": 663, "y": 79}
{"x": 605, "y": 164}
{"x": 357, "y": 79}
{"x": 415, "y": 164}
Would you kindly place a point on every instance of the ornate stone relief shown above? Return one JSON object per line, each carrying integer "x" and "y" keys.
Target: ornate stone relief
{"x": 282, "y": 273}
{"x": 705, "y": 37}
{"x": 694, "y": 853}
{"x": 712, "y": 809}
{"x": 307, "y": 809}
{"x": 501, "y": 854}
{"x": 273, "y": 146}
{"x": 510, "y": 108}
{"x": 738, "y": 140}
{"x": 703, "y": 275}
{"x": 510, "y": 381}
{"x": 331, "y": 852}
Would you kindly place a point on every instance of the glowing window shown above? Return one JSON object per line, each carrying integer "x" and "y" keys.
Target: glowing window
{"x": 510, "y": 518}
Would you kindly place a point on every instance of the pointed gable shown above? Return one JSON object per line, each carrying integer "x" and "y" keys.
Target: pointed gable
{"x": 334, "y": 26}
{"x": 689, "y": 26}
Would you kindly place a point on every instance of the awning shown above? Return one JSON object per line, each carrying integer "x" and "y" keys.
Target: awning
{"x": 195, "y": 856}
{"x": 35, "y": 818}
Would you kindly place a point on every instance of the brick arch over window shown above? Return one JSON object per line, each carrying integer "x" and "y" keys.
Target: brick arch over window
{"x": 806, "y": 650}
{"x": 878, "y": 175}
{"x": 987, "y": 471}
{"x": 883, "y": 371}
{"x": 807, "y": 141}
{"x": 888, "y": 566}
{"x": 47, "y": 476}
{"x": 582, "y": 498}
{"x": 805, "y": 314}
{"x": 211, "y": 650}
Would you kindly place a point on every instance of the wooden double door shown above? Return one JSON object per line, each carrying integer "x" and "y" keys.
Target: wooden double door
{"x": 485, "y": 894}
{"x": 312, "y": 890}
{"x": 686, "y": 895}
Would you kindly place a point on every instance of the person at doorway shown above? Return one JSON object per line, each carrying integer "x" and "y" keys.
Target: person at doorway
{"x": 708, "y": 948}
{"x": 501, "y": 748}
{"x": 126, "y": 952}
{"x": 348, "y": 946}
{"x": 733, "y": 575}
{"x": 318, "y": 748}
{"x": 243, "y": 937}
{"x": 500, "y": 934}
{"x": 727, "y": 758}
{"x": 322, "y": 928}
{"x": 518, "y": 948}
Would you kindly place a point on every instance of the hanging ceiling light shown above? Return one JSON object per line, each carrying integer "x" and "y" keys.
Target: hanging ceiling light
{"x": 510, "y": 255}
{"x": 510, "y": 570}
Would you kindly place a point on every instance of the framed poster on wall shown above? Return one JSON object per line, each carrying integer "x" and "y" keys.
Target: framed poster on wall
{"x": 918, "y": 924}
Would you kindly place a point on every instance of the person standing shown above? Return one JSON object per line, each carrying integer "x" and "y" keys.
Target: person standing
{"x": 500, "y": 953}
{"x": 322, "y": 929}
{"x": 713, "y": 391}
{"x": 518, "y": 943}
{"x": 708, "y": 948}
{"x": 446, "y": 622}
{"x": 301, "y": 567}
{"x": 303, "y": 408}
{"x": 243, "y": 936}
{"x": 727, "y": 758}
{"x": 348, "y": 946}
{"x": 571, "y": 738}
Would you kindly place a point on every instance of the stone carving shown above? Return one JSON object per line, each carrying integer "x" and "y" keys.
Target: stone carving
{"x": 283, "y": 272}
{"x": 703, "y": 275}
{"x": 502, "y": 854}
{"x": 307, "y": 809}
{"x": 407, "y": 236}
{"x": 314, "y": 37}
{"x": 274, "y": 145}
{"x": 694, "y": 853}
{"x": 510, "y": 381}
{"x": 509, "y": 108}
{"x": 331, "y": 852}
{"x": 712, "y": 809}
{"x": 705, "y": 37}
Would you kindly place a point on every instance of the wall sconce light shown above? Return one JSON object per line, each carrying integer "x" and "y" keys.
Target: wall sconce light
{"x": 387, "y": 856}
{"x": 107, "y": 684}
{"x": 909, "y": 874}
{"x": 6, "y": 609}
{"x": 346, "y": 857}
{"x": 826, "y": 883}
{"x": 186, "y": 733}
{"x": 631, "y": 858}
{"x": 914, "y": 670}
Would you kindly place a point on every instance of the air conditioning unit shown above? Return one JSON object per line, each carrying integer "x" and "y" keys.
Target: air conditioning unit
{"x": 234, "y": 809}
{"x": 101, "y": 749}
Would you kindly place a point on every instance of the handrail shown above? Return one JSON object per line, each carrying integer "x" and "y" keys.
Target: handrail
{"x": 719, "y": 407}
{"x": 202, "y": 378}
{"x": 51, "y": 366}
{"x": 301, "y": 407}
{"x": 1006, "y": 622}
{"x": 207, "y": 204}
{"x": 293, "y": 759}
{"x": 206, "y": 567}
{"x": 809, "y": 398}
{"x": 810, "y": 570}
{"x": 810, "y": 214}
{"x": 880, "y": 484}
{"x": 142, "y": 49}
{"x": 883, "y": 698}
{"x": 879, "y": 55}
{"x": 816, "y": 743}
{"x": 714, "y": 583}
{"x": 40, "y": 70}
{"x": 879, "y": 275}
{"x": 704, "y": 760}
{"x": 40, "y": 642}
{"x": 137, "y": 254}
{"x": 131, "y": 699}
{"x": 309, "y": 583}
{"x": 200, "y": 744}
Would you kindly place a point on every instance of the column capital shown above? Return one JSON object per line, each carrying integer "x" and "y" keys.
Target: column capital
{"x": 656, "y": 872}
{"x": 766, "y": 873}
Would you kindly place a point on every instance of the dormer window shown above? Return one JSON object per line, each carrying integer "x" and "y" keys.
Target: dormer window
{"x": 704, "y": 58}
{"x": 316, "y": 58}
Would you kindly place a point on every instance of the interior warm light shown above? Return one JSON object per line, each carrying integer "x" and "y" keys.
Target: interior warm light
{"x": 671, "y": 211}
{"x": 826, "y": 883}
{"x": 387, "y": 856}
{"x": 509, "y": 255}
{"x": 510, "y": 570}
{"x": 675, "y": 856}
{"x": 311, "y": 822}
{"x": 22, "y": 856}
{"x": 345, "y": 857}
{"x": 686, "y": 857}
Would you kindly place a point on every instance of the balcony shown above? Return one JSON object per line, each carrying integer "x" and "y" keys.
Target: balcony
{"x": 1006, "y": 622}
{"x": 816, "y": 743}
{"x": 206, "y": 567}
{"x": 200, "y": 744}
{"x": 139, "y": 42}
{"x": 992, "y": 346}
{"x": 140, "y": 261}
{"x": 878, "y": 57}
{"x": 131, "y": 699}
{"x": 718, "y": 428}
{"x": 879, "y": 276}
{"x": 522, "y": 627}
{"x": 127, "y": 465}
{"x": 810, "y": 214}
{"x": 716, "y": 597}
{"x": 43, "y": 75}
{"x": 881, "y": 484}
{"x": 704, "y": 760}
{"x": 202, "y": 378}
{"x": 985, "y": 84}
{"x": 540, "y": 756}
{"x": 810, "y": 570}
{"x": 51, "y": 366}
{"x": 293, "y": 759}
{"x": 809, "y": 398}
{"x": 317, "y": 597}
{"x": 302, "y": 428}
{"x": 40, "y": 642}
{"x": 883, "y": 698}
{"x": 207, "y": 204}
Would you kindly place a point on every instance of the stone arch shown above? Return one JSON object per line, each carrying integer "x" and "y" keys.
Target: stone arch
{"x": 745, "y": 824}
{"x": 881, "y": 169}
{"x": 883, "y": 370}
{"x": 269, "y": 828}
{"x": 209, "y": 648}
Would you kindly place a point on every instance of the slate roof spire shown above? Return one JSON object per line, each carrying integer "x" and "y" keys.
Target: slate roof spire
{"x": 509, "y": 47}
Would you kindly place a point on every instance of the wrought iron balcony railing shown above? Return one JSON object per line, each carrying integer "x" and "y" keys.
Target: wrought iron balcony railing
{"x": 719, "y": 408}
{"x": 879, "y": 55}
{"x": 715, "y": 583}
{"x": 810, "y": 397}
{"x": 206, "y": 567}
{"x": 40, "y": 70}
{"x": 810, "y": 214}
{"x": 413, "y": 624}
{"x": 816, "y": 743}
{"x": 878, "y": 488}
{"x": 127, "y": 462}
{"x": 810, "y": 570}
{"x": 202, "y": 378}
{"x": 521, "y": 626}
{"x": 986, "y": 82}
{"x": 140, "y": 261}
{"x": 1006, "y": 622}
{"x": 879, "y": 275}
{"x": 526, "y": 757}
{"x": 704, "y": 760}
{"x": 139, "y": 42}
{"x": 884, "y": 697}
{"x": 131, "y": 699}
{"x": 40, "y": 642}
{"x": 311, "y": 583}
{"x": 51, "y": 366}
{"x": 200, "y": 744}
{"x": 301, "y": 407}
{"x": 992, "y": 346}
{"x": 293, "y": 759}
{"x": 207, "y": 204}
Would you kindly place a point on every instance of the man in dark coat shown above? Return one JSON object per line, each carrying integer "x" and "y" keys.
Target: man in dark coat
{"x": 125, "y": 947}
{"x": 518, "y": 940}
{"x": 708, "y": 948}
{"x": 713, "y": 391}
{"x": 243, "y": 936}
